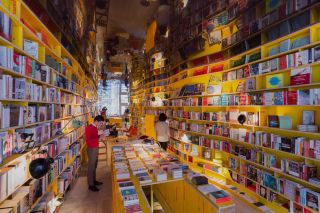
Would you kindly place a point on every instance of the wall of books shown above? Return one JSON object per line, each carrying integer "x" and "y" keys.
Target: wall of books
{"x": 242, "y": 93}
{"x": 43, "y": 102}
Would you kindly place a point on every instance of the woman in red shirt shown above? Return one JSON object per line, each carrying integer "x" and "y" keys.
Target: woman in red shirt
{"x": 92, "y": 141}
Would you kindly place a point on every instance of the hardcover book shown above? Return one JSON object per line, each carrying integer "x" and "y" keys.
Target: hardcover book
{"x": 273, "y": 121}
{"x": 300, "y": 76}
{"x": 274, "y": 81}
{"x": 250, "y": 84}
{"x": 285, "y": 122}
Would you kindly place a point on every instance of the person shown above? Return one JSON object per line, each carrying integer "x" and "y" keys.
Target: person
{"x": 132, "y": 131}
{"x": 162, "y": 131}
{"x": 112, "y": 128}
{"x": 93, "y": 136}
{"x": 126, "y": 117}
{"x": 103, "y": 112}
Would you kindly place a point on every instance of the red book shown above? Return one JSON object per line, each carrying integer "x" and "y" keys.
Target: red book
{"x": 292, "y": 98}
{"x": 243, "y": 99}
{"x": 216, "y": 57}
{"x": 200, "y": 61}
{"x": 223, "y": 200}
{"x": 204, "y": 101}
{"x": 283, "y": 64}
{"x": 282, "y": 11}
{"x": 217, "y": 68}
{"x": 300, "y": 76}
{"x": 246, "y": 71}
{"x": 28, "y": 66}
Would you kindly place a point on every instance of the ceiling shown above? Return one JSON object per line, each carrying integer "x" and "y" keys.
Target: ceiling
{"x": 129, "y": 16}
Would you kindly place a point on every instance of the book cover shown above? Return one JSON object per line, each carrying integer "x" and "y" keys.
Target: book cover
{"x": 273, "y": 121}
{"x": 250, "y": 84}
{"x": 219, "y": 196}
{"x": 214, "y": 89}
{"x": 254, "y": 69}
{"x": 302, "y": 57}
{"x": 268, "y": 98}
{"x": 292, "y": 97}
{"x": 31, "y": 48}
{"x": 265, "y": 67}
{"x": 280, "y": 98}
{"x": 312, "y": 200}
{"x": 285, "y": 46}
{"x": 246, "y": 69}
{"x": 283, "y": 63}
{"x": 300, "y": 76}
{"x": 316, "y": 54}
{"x": 303, "y": 97}
{"x": 274, "y": 64}
{"x": 308, "y": 117}
{"x": 285, "y": 122}
{"x": 274, "y": 81}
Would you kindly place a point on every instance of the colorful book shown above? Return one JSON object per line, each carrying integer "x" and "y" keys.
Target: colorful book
{"x": 274, "y": 81}
{"x": 301, "y": 76}
{"x": 273, "y": 121}
{"x": 250, "y": 84}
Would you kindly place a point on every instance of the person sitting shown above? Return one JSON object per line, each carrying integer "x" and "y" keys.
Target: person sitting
{"x": 112, "y": 128}
{"x": 132, "y": 131}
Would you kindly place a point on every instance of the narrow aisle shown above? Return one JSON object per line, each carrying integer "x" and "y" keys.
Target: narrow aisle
{"x": 81, "y": 200}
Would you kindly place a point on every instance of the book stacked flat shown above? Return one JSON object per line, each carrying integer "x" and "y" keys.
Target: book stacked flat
{"x": 143, "y": 178}
{"x": 129, "y": 196}
{"x": 160, "y": 175}
{"x": 207, "y": 188}
{"x": 219, "y": 196}
{"x": 175, "y": 171}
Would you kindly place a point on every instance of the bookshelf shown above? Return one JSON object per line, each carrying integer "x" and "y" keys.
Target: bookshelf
{"x": 252, "y": 71}
{"x": 43, "y": 90}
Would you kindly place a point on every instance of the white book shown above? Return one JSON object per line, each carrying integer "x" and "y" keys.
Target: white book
{"x": 31, "y": 48}
{"x": 3, "y": 57}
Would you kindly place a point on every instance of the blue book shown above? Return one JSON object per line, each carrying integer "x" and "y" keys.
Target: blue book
{"x": 254, "y": 69}
{"x": 285, "y": 122}
{"x": 224, "y": 100}
{"x": 279, "y": 98}
{"x": 274, "y": 51}
{"x": 285, "y": 45}
{"x": 300, "y": 42}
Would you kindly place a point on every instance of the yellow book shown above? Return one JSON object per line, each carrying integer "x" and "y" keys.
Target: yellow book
{"x": 226, "y": 32}
{"x": 274, "y": 81}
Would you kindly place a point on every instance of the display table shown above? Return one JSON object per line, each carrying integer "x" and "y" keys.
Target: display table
{"x": 174, "y": 194}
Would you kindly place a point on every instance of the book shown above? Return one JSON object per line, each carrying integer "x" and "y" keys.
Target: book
{"x": 219, "y": 197}
{"x": 250, "y": 84}
{"x": 5, "y": 26}
{"x": 308, "y": 117}
{"x": 264, "y": 67}
{"x": 254, "y": 69}
{"x": 303, "y": 97}
{"x": 316, "y": 54}
{"x": 31, "y": 47}
{"x": 273, "y": 121}
{"x": 274, "y": 64}
{"x": 285, "y": 122}
{"x": 302, "y": 57}
{"x": 285, "y": 46}
{"x": 300, "y": 76}
{"x": 292, "y": 97}
{"x": 274, "y": 81}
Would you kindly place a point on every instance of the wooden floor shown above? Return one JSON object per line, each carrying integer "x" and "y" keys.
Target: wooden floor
{"x": 81, "y": 200}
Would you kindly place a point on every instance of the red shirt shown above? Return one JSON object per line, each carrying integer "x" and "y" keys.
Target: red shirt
{"x": 92, "y": 137}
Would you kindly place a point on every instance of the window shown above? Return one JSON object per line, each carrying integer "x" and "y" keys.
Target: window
{"x": 114, "y": 96}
